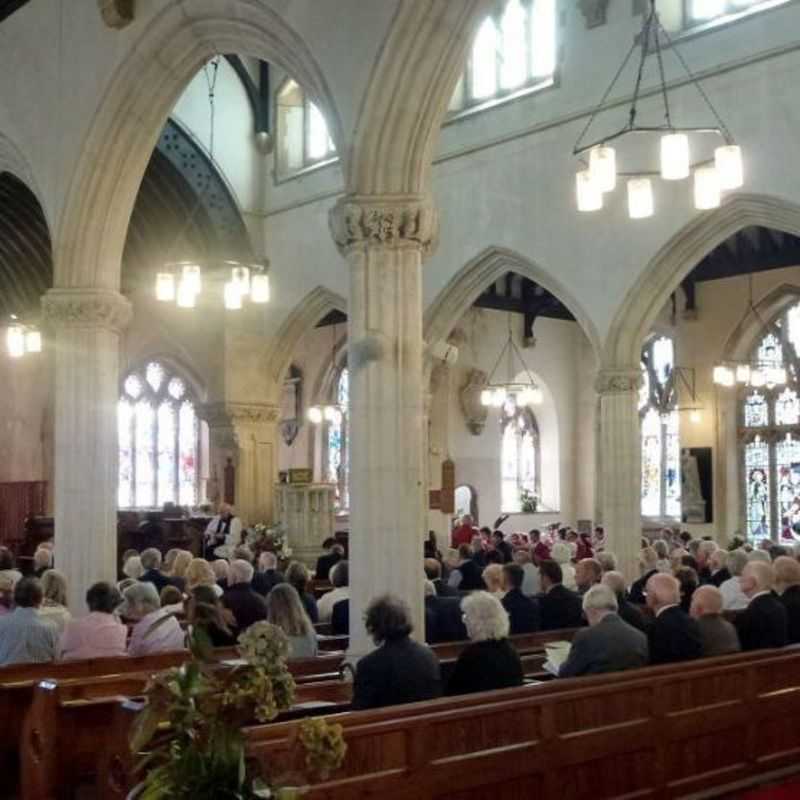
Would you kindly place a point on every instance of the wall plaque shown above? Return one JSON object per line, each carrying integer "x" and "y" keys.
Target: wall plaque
{"x": 300, "y": 476}
{"x": 448, "y": 491}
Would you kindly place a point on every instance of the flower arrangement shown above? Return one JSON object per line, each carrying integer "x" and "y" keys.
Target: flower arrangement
{"x": 188, "y": 736}
{"x": 273, "y": 538}
{"x": 528, "y": 501}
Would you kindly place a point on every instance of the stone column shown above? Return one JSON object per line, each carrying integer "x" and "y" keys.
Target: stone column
{"x": 84, "y": 327}
{"x": 248, "y": 434}
{"x": 384, "y": 239}
{"x": 620, "y": 465}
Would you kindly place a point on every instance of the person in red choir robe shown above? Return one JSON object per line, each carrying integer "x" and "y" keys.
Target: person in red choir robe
{"x": 539, "y": 548}
{"x": 464, "y": 532}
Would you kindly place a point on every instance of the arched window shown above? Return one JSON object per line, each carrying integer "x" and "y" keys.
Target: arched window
{"x": 770, "y": 433}
{"x": 658, "y": 414}
{"x": 519, "y": 458}
{"x": 514, "y": 50}
{"x": 677, "y": 15}
{"x": 338, "y": 460}
{"x": 158, "y": 440}
{"x": 303, "y": 137}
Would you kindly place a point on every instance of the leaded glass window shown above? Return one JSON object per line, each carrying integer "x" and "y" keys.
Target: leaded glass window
{"x": 158, "y": 440}
{"x": 514, "y": 49}
{"x": 338, "y": 461}
{"x": 519, "y": 457}
{"x": 660, "y": 431}
{"x": 770, "y": 432}
{"x": 684, "y": 15}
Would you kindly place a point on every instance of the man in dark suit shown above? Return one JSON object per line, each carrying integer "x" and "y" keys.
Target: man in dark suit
{"x": 647, "y": 563}
{"x": 626, "y": 611}
{"x": 608, "y": 644}
{"x": 333, "y": 553}
{"x": 523, "y": 612}
{"x": 558, "y": 606}
{"x": 673, "y": 636}
{"x": 433, "y": 572}
{"x": 718, "y": 566}
{"x": 268, "y": 574}
{"x": 588, "y": 572}
{"x": 787, "y": 584}
{"x": 246, "y": 605}
{"x": 763, "y": 623}
{"x": 466, "y": 577}
{"x": 443, "y": 618}
{"x": 502, "y": 547}
{"x": 719, "y": 636}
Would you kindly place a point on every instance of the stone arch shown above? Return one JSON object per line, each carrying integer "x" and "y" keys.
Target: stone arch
{"x": 678, "y": 257}
{"x": 464, "y": 288}
{"x": 179, "y": 364}
{"x": 13, "y": 160}
{"x": 171, "y": 48}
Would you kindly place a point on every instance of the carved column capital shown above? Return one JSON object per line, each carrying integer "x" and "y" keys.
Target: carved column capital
{"x": 618, "y": 381}
{"x": 231, "y": 415}
{"x": 116, "y": 13}
{"x": 86, "y": 308}
{"x": 594, "y": 12}
{"x": 388, "y": 221}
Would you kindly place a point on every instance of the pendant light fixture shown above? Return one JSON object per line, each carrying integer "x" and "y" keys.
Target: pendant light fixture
{"x": 22, "y": 338}
{"x": 720, "y": 171}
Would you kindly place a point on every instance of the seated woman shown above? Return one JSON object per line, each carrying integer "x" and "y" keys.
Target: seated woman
{"x": 490, "y": 662}
{"x": 222, "y": 571}
{"x": 42, "y": 561}
{"x": 204, "y": 610}
{"x": 400, "y": 670}
{"x": 150, "y": 634}
{"x": 180, "y": 566}
{"x": 199, "y": 573}
{"x": 99, "y": 634}
{"x": 54, "y": 605}
{"x": 132, "y": 567}
{"x": 8, "y": 566}
{"x": 297, "y": 575}
{"x": 285, "y": 610}
{"x": 493, "y": 578}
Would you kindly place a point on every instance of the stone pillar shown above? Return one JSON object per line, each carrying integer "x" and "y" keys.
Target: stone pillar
{"x": 384, "y": 239}
{"x": 248, "y": 434}
{"x": 84, "y": 327}
{"x": 620, "y": 465}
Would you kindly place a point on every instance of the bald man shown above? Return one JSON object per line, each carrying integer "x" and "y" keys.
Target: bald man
{"x": 763, "y": 623}
{"x": 719, "y": 636}
{"x": 674, "y": 635}
{"x": 787, "y": 585}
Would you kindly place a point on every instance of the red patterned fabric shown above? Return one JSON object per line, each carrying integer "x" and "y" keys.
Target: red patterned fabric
{"x": 19, "y": 500}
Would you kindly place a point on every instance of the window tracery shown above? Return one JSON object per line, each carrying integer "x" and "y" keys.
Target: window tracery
{"x": 338, "y": 451}
{"x": 519, "y": 459}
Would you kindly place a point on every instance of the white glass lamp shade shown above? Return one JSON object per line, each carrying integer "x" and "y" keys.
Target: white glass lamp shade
{"x": 165, "y": 287}
{"x": 743, "y": 373}
{"x": 695, "y": 417}
{"x": 757, "y": 378}
{"x": 33, "y": 341}
{"x": 240, "y": 277}
{"x": 706, "y": 188}
{"x": 190, "y": 276}
{"x": 640, "y": 198}
{"x": 315, "y": 415}
{"x": 499, "y": 397}
{"x": 259, "y": 288}
{"x": 537, "y": 397}
{"x": 674, "y": 156}
{"x": 486, "y": 397}
{"x": 603, "y": 168}
{"x": 590, "y": 198}
{"x": 723, "y": 376}
{"x": 186, "y": 296}
{"x": 233, "y": 296}
{"x": 728, "y": 161}
{"x": 15, "y": 341}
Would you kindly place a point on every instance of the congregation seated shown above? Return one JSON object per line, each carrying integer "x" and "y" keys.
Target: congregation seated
{"x": 54, "y": 602}
{"x": 466, "y": 576}
{"x": 443, "y": 617}
{"x": 267, "y": 575}
{"x": 246, "y": 605}
{"x": 142, "y": 606}
{"x": 523, "y": 612}
{"x": 221, "y": 569}
{"x": 171, "y": 597}
{"x": 297, "y": 575}
{"x": 733, "y": 598}
{"x": 626, "y": 610}
{"x": 433, "y": 572}
{"x": 42, "y": 561}
{"x": 339, "y": 577}
{"x": 6, "y": 595}
{"x": 609, "y": 644}
{"x": 531, "y": 584}
{"x": 478, "y": 549}
{"x": 463, "y": 533}
{"x": 673, "y": 635}
{"x": 490, "y": 661}
{"x": 99, "y": 634}
{"x": 561, "y": 553}
{"x": 763, "y": 623}
{"x": 8, "y": 566}
{"x": 25, "y": 636}
{"x": 688, "y": 580}
{"x": 718, "y": 635}
{"x": 588, "y": 572}
{"x": 584, "y": 547}
{"x": 787, "y": 585}
{"x": 151, "y": 564}
{"x": 132, "y": 567}
{"x": 502, "y": 547}
{"x": 648, "y": 561}
{"x": 663, "y": 564}
{"x": 492, "y": 576}
{"x": 400, "y": 670}
{"x": 180, "y": 566}
{"x": 718, "y": 568}
{"x": 332, "y": 554}
{"x": 204, "y": 610}
{"x": 607, "y": 561}
{"x": 285, "y": 610}
{"x": 539, "y": 548}
{"x": 558, "y": 606}
{"x": 167, "y": 563}
{"x": 340, "y": 618}
{"x": 199, "y": 573}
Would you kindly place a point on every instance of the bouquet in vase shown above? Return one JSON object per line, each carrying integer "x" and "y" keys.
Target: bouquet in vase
{"x": 268, "y": 538}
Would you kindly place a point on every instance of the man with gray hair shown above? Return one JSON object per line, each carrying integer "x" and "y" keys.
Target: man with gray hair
{"x": 733, "y": 598}
{"x": 719, "y": 636}
{"x": 763, "y": 623}
{"x": 674, "y": 636}
{"x": 246, "y": 605}
{"x": 609, "y": 644}
{"x": 648, "y": 563}
{"x": 268, "y": 574}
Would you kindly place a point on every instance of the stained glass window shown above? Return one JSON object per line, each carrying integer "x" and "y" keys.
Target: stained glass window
{"x": 755, "y": 410}
{"x": 660, "y": 431}
{"x": 756, "y": 460}
{"x": 787, "y": 409}
{"x": 519, "y": 456}
{"x": 338, "y": 445}
{"x": 158, "y": 440}
{"x": 514, "y": 49}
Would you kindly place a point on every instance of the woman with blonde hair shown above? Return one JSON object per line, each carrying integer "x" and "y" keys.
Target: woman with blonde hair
{"x": 222, "y": 570}
{"x": 180, "y": 566}
{"x": 199, "y": 573}
{"x": 54, "y": 604}
{"x": 493, "y": 578}
{"x": 285, "y": 610}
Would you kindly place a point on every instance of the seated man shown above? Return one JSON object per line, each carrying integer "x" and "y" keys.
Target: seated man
{"x": 332, "y": 554}
{"x": 588, "y": 572}
{"x": 523, "y": 612}
{"x": 433, "y": 572}
{"x": 26, "y": 637}
{"x": 609, "y": 644}
{"x": 151, "y": 563}
{"x": 224, "y": 530}
{"x": 648, "y": 561}
{"x": 719, "y": 636}
{"x": 466, "y": 577}
{"x": 399, "y": 670}
{"x": 733, "y": 598}
{"x": 673, "y": 636}
{"x": 627, "y": 611}
{"x": 787, "y": 585}
{"x": 340, "y": 578}
{"x": 718, "y": 567}
{"x": 268, "y": 574}
{"x": 763, "y": 623}
{"x": 558, "y": 606}
{"x": 502, "y": 547}
{"x": 246, "y": 605}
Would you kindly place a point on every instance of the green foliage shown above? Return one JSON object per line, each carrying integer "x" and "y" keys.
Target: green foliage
{"x": 529, "y": 502}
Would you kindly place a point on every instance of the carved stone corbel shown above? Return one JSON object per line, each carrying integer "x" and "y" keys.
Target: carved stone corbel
{"x": 470, "y": 396}
{"x": 116, "y": 13}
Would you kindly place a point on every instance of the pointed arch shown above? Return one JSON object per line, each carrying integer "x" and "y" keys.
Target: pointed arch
{"x": 678, "y": 257}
